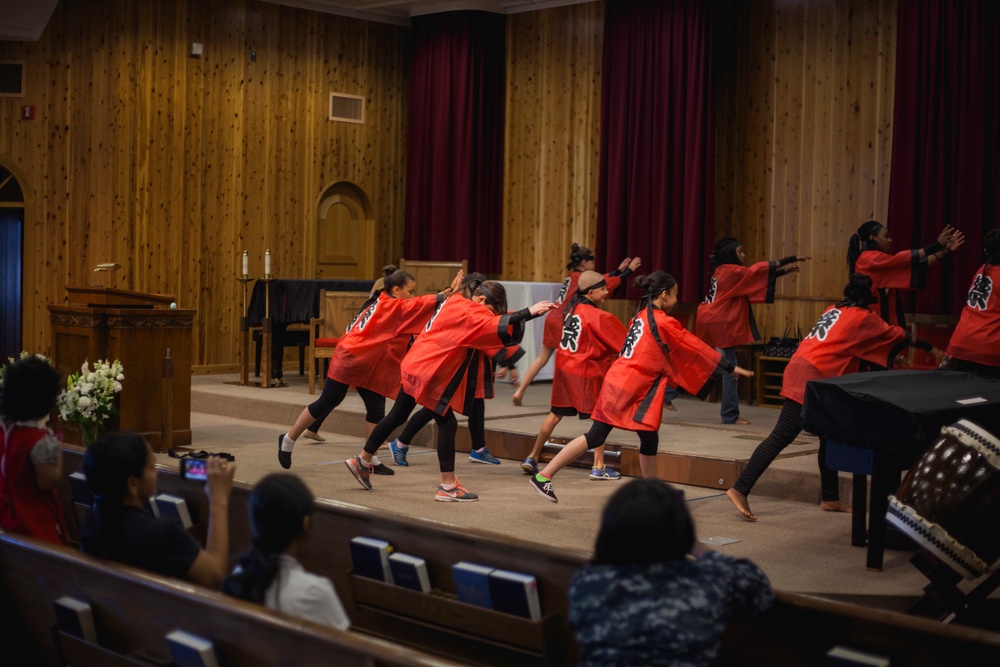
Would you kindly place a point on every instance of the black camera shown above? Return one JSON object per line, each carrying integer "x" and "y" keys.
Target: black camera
{"x": 196, "y": 469}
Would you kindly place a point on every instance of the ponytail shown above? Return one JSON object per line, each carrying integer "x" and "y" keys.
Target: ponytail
{"x": 860, "y": 241}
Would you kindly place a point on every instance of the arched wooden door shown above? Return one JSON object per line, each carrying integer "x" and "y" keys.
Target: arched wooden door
{"x": 345, "y": 234}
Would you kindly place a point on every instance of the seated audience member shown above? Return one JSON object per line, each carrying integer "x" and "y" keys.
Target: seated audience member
{"x": 653, "y": 595}
{"x": 281, "y": 508}
{"x": 121, "y": 472}
{"x": 30, "y": 452}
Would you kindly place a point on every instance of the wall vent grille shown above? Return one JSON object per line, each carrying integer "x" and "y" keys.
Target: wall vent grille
{"x": 11, "y": 79}
{"x": 347, "y": 108}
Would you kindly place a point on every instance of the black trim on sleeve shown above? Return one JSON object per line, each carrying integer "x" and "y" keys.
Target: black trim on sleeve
{"x": 894, "y": 352}
{"x": 787, "y": 260}
{"x": 772, "y": 276}
{"x": 933, "y": 248}
{"x": 918, "y": 270}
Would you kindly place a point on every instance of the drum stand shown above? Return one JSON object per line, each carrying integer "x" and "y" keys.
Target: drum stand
{"x": 943, "y": 600}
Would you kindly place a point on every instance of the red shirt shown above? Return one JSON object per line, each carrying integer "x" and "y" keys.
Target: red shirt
{"x": 836, "y": 344}
{"x": 24, "y": 507}
{"x": 554, "y": 320}
{"x": 369, "y": 354}
{"x": 589, "y": 345}
{"x": 632, "y": 394}
{"x": 977, "y": 335}
{"x": 724, "y": 318}
{"x": 889, "y": 274}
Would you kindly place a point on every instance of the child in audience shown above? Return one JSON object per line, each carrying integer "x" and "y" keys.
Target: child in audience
{"x": 281, "y": 508}
{"x": 658, "y": 352}
{"x": 975, "y": 343}
{"x": 30, "y": 453}
{"x": 725, "y": 320}
{"x": 121, "y": 472}
{"x": 653, "y": 594}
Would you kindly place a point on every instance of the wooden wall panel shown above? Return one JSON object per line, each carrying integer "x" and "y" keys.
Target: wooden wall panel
{"x": 553, "y": 138}
{"x": 173, "y": 165}
{"x": 804, "y": 118}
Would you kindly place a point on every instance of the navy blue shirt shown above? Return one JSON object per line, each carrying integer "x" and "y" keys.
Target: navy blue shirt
{"x": 158, "y": 545}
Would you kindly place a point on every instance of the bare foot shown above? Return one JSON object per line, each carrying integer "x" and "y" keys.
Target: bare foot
{"x": 313, "y": 435}
{"x": 517, "y": 398}
{"x": 740, "y": 420}
{"x": 670, "y": 406}
{"x": 740, "y": 501}
{"x": 835, "y": 506}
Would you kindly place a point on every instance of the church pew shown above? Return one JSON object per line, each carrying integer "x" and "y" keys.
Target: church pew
{"x": 134, "y": 610}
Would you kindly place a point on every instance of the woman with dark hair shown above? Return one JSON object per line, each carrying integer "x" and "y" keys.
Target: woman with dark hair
{"x": 658, "y": 352}
{"x": 580, "y": 259}
{"x": 653, "y": 594}
{"x": 975, "y": 343}
{"x": 845, "y": 334}
{"x": 368, "y": 355}
{"x": 868, "y": 253}
{"x": 725, "y": 320}
{"x": 281, "y": 508}
{"x": 30, "y": 452}
{"x": 436, "y": 367}
{"x": 588, "y": 346}
{"x": 121, "y": 473}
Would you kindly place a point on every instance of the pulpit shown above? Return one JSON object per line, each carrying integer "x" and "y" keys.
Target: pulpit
{"x": 138, "y": 329}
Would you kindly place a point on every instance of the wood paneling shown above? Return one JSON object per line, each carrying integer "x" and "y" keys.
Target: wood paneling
{"x": 173, "y": 165}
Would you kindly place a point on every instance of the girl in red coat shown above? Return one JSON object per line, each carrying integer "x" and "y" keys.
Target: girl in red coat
{"x": 590, "y": 342}
{"x": 844, "y": 335}
{"x": 868, "y": 254}
{"x": 435, "y": 368}
{"x": 975, "y": 343}
{"x": 724, "y": 318}
{"x": 30, "y": 453}
{"x": 580, "y": 259}
{"x": 658, "y": 352}
{"x": 368, "y": 355}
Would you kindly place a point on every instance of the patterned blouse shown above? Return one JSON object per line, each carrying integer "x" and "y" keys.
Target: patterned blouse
{"x": 669, "y": 613}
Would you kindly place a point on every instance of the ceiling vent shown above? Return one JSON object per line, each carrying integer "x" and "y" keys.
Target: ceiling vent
{"x": 347, "y": 108}
{"x": 11, "y": 79}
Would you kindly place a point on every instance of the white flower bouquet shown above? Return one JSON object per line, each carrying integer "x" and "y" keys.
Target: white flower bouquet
{"x": 89, "y": 397}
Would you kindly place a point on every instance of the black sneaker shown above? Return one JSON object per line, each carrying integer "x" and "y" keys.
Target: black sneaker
{"x": 544, "y": 488}
{"x": 284, "y": 458}
{"x": 383, "y": 469}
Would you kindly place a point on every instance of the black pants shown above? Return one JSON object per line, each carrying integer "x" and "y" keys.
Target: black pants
{"x": 447, "y": 426}
{"x": 477, "y": 426}
{"x": 649, "y": 441}
{"x": 333, "y": 395}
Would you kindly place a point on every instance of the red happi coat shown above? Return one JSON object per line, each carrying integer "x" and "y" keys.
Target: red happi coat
{"x": 591, "y": 341}
{"x": 24, "y": 507}
{"x": 478, "y": 379}
{"x": 837, "y": 343}
{"x": 651, "y": 359}
{"x": 889, "y": 274}
{"x": 977, "y": 335}
{"x": 554, "y": 320}
{"x": 435, "y": 371}
{"x": 368, "y": 355}
{"x": 724, "y": 317}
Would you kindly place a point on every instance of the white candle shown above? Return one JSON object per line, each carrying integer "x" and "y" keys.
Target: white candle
{"x": 246, "y": 263}
{"x": 267, "y": 263}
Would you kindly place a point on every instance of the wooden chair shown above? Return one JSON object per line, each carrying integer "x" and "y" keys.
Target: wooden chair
{"x": 433, "y": 276}
{"x": 336, "y": 310}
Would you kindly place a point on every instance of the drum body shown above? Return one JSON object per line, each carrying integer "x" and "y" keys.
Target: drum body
{"x": 949, "y": 502}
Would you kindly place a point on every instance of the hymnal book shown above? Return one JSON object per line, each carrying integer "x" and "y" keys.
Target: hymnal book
{"x": 371, "y": 558}
{"x": 410, "y": 572}
{"x": 176, "y": 506}
{"x": 81, "y": 490}
{"x": 76, "y": 618}
{"x": 189, "y": 650}
{"x": 472, "y": 583}
{"x": 841, "y": 656}
{"x": 515, "y": 593}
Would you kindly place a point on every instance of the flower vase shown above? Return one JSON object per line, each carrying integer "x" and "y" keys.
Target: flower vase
{"x": 89, "y": 432}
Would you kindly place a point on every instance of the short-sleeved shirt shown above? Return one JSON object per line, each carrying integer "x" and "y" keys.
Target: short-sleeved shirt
{"x": 158, "y": 545}
{"x": 306, "y": 595}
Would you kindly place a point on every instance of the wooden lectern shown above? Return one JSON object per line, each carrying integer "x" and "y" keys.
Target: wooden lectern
{"x": 138, "y": 329}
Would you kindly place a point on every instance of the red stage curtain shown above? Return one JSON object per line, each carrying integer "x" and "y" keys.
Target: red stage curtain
{"x": 456, "y": 134}
{"x": 945, "y": 150}
{"x": 657, "y": 167}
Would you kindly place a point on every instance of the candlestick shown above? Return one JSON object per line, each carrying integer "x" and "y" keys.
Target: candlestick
{"x": 246, "y": 264}
{"x": 267, "y": 263}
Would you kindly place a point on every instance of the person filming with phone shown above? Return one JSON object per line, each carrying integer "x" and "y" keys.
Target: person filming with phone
{"x": 121, "y": 472}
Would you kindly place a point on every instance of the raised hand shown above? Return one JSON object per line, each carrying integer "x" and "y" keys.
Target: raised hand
{"x": 624, "y": 264}
{"x": 542, "y": 307}
{"x": 635, "y": 263}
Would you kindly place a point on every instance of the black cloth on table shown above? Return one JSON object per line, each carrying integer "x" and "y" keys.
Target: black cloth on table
{"x": 296, "y": 301}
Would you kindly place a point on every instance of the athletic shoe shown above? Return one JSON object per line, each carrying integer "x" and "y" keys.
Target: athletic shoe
{"x": 529, "y": 466}
{"x": 383, "y": 469}
{"x": 456, "y": 494}
{"x": 604, "y": 473}
{"x": 399, "y": 454}
{"x": 483, "y": 457}
{"x": 544, "y": 487}
{"x": 284, "y": 458}
{"x": 361, "y": 471}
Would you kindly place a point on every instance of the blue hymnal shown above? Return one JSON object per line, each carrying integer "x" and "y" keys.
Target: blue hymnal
{"x": 472, "y": 583}
{"x": 190, "y": 650}
{"x": 410, "y": 572}
{"x": 515, "y": 593}
{"x": 371, "y": 558}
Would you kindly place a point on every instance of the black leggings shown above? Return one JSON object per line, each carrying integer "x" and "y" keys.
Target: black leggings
{"x": 785, "y": 431}
{"x": 477, "y": 426}
{"x": 332, "y": 396}
{"x": 447, "y": 426}
{"x": 649, "y": 441}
